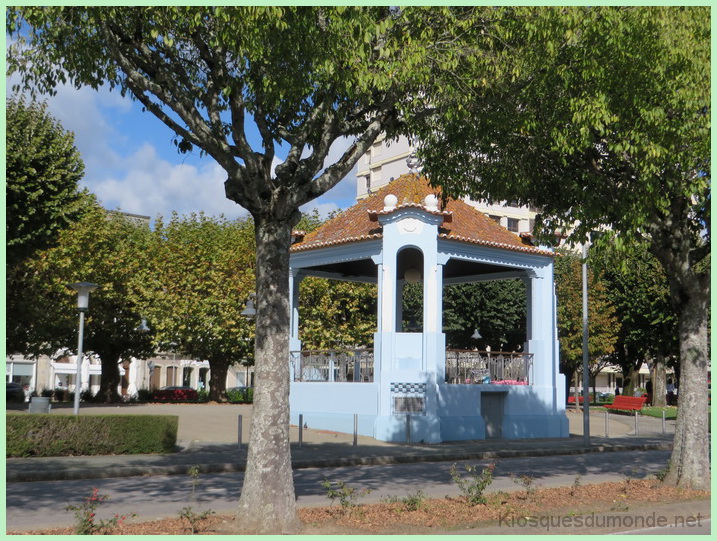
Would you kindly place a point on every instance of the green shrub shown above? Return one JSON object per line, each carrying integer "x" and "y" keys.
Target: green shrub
{"x": 241, "y": 396}
{"x": 202, "y": 396}
{"x": 71, "y": 435}
{"x": 144, "y": 395}
{"x": 474, "y": 484}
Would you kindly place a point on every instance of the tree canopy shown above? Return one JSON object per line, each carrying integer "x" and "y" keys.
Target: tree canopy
{"x": 42, "y": 174}
{"x": 600, "y": 116}
{"x": 201, "y": 274}
{"x": 603, "y": 323}
{"x": 106, "y": 249}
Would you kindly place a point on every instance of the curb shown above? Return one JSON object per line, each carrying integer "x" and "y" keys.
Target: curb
{"x": 232, "y": 467}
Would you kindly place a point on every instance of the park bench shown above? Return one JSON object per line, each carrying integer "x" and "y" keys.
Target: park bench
{"x": 627, "y": 403}
{"x": 571, "y": 399}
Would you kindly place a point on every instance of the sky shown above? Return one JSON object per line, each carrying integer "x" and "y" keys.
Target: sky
{"x": 132, "y": 165}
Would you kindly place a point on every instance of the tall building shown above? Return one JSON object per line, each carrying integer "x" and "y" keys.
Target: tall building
{"x": 387, "y": 160}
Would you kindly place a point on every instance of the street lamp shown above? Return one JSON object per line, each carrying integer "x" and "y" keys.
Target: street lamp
{"x": 143, "y": 327}
{"x": 250, "y": 311}
{"x": 83, "y": 301}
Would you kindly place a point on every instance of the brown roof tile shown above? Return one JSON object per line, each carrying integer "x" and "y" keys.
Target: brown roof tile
{"x": 463, "y": 222}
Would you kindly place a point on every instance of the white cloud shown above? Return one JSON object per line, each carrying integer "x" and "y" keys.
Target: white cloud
{"x": 130, "y": 163}
{"x": 152, "y": 186}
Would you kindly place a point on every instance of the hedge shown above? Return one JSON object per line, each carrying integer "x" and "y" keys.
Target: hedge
{"x": 71, "y": 435}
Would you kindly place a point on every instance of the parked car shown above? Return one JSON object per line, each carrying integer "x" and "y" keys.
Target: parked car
{"x": 14, "y": 392}
{"x": 175, "y": 393}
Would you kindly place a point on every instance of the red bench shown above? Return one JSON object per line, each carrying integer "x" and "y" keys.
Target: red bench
{"x": 571, "y": 399}
{"x": 627, "y": 403}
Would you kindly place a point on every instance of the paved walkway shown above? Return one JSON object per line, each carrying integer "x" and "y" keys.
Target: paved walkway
{"x": 208, "y": 437}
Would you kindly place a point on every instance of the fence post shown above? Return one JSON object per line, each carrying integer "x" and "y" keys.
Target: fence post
{"x": 301, "y": 428}
{"x": 355, "y": 429}
{"x": 239, "y": 431}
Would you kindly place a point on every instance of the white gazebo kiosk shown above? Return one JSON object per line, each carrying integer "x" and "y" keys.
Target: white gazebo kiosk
{"x": 408, "y": 386}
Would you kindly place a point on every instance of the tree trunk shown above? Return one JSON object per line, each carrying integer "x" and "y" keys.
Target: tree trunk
{"x": 690, "y": 461}
{"x": 659, "y": 377}
{"x": 268, "y": 503}
{"x": 218, "y": 379}
{"x": 110, "y": 378}
{"x": 629, "y": 384}
{"x": 675, "y": 248}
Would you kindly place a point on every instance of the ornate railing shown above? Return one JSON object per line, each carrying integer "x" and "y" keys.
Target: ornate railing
{"x": 500, "y": 367}
{"x": 343, "y": 365}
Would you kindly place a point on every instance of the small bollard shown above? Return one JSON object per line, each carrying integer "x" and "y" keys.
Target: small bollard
{"x": 663, "y": 422}
{"x": 635, "y": 422}
{"x": 607, "y": 424}
{"x": 301, "y": 429}
{"x": 239, "y": 431}
{"x": 355, "y": 429}
{"x": 408, "y": 429}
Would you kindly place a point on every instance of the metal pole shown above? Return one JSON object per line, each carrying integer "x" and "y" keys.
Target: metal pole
{"x": 635, "y": 422}
{"x": 355, "y": 429}
{"x": 408, "y": 429}
{"x": 586, "y": 359}
{"x": 301, "y": 428}
{"x": 78, "y": 381}
{"x": 663, "y": 422}
{"x": 239, "y": 431}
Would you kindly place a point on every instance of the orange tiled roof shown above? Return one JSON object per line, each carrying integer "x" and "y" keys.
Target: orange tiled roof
{"x": 463, "y": 222}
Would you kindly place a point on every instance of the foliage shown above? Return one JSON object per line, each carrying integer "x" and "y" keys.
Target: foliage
{"x": 202, "y": 272}
{"x": 104, "y": 248}
{"x": 528, "y": 484}
{"x": 629, "y": 93}
{"x": 414, "y": 500}
{"x": 411, "y": 502}
{"x": 600, "y": 117}
{"x": 496, "y": 308}
{"x": 336, "y": 314}
{"x": 603, "y": 325}
{"x": 85, "y": 516}
{"x": 243, "y": 396}
{"x": 346, "y": 495}
{"x": 71, "y": 435}
{"x": 475, "y": 483}
{"x": 639, "y": 290}
{"x": 42, "y": 174}
{"x": 187, "y": 513}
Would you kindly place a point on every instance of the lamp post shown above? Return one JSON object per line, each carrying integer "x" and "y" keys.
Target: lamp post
{"x": 83, "y": 301}
{"x": 586, "y": 354}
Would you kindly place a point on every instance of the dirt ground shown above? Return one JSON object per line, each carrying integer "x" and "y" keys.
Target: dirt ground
{"x": 417, "y": 515}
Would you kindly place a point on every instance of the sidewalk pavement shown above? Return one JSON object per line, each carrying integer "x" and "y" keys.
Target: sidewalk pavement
{"x": 208, "y": 438}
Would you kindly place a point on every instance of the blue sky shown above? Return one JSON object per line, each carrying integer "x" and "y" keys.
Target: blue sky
{"x": 132, "y": 165}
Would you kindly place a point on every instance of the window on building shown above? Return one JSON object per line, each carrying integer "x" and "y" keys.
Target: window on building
{"x": 513, "y": 225}
{"x": 376, "y": 149}
{"x": 375, "y": 176}
{"x": 495, "y": 218}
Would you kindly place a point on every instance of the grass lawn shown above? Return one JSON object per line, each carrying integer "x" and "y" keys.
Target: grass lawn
{"x": 654, "y": 411}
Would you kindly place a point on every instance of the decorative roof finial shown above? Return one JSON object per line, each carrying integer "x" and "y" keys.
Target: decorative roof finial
{"x": 413, "y": 162}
